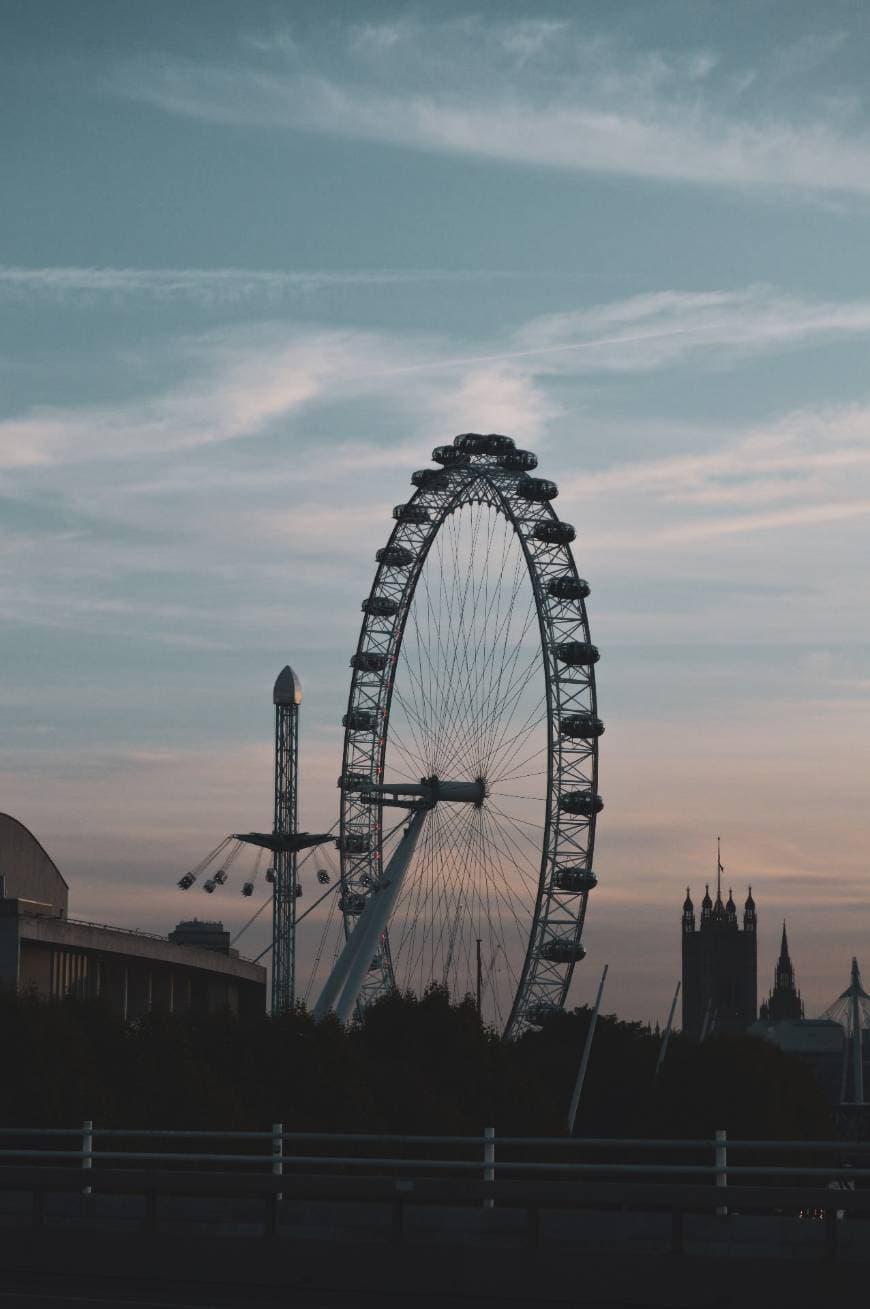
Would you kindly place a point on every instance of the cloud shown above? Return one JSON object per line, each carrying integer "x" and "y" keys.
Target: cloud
{"x": 540, "y": 94}
{"x": 655, "y": 330}
{"x": 217, "y": 286}
{"x": 802, "y": 467}
{"x": 242, "y": 381}
{"x": 237, "y": 383}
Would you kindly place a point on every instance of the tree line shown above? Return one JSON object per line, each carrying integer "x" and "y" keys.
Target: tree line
{"x": 414, "y": 1065}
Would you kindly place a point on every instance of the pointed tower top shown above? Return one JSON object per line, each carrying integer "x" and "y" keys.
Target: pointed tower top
{"x": 783, "y": 949}
{"x": 288, "y": 688}
{"x": 707, "y": 903}
{"x": 855, "y": 987}
{"x": 687, "y": 903}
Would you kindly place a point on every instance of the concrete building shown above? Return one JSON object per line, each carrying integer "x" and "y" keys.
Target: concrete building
{"x": 44, "y": 951}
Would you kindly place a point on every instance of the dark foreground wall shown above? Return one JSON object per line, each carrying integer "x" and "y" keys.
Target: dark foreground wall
{"x": 490, "y": 1268}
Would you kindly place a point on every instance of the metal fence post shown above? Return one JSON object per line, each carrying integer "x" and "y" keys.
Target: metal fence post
{"x": 87, "y": 1150}
{"x": 277, "y": 1152}
{"x": 489, "y": 1162}
{"x": 721, "y": 1168}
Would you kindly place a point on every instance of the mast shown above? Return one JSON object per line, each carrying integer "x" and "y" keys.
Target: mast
{"x": 584, "y": 1062}
{"x": 856, "y": 992}
{"x": 666, "y": 1036}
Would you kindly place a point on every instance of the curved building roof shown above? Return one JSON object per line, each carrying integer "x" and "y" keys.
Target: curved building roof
{"x": 28, "y": 872}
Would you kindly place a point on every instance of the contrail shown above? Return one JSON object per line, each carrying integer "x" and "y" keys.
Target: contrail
{"x": 463, "y": 360}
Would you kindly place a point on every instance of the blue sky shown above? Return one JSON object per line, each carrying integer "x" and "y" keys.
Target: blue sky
{"x": 255, "y": 261}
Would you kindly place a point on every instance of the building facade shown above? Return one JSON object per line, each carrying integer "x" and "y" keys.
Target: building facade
{"x": 719, "y": 965}
{"x": 45, "y": 952}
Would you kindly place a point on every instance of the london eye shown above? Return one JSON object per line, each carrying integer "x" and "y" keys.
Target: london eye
{"x": 470, "y": 759}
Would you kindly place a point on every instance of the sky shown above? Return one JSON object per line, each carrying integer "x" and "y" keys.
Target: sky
{"x": 256, "y": 260}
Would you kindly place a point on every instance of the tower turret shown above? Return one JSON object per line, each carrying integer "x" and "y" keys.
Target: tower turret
{"x": 750, "y": 920}
{"x": 688, "y": 913}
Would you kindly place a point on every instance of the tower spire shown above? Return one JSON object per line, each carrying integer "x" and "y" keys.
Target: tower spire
{"x": 784, "y": 1002}
{"x": 719, "y": 870}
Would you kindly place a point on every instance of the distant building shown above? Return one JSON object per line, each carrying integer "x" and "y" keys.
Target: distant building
{"x": 44, "y": 951}
{"x": 817, "y": 1041}
{"x": 719, "y": 965}
{"x": 784, "y": 1003}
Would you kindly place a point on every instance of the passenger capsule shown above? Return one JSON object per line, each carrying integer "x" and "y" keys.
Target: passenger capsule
{"x": 352, "y": 903}
{"x": 395, "y": 556}
{"x": 553, "y": 532}
{"x": 578, "y": 654}
{"x": 354, "y": 843}
{"x": 359, "y": 720}
{"x": 581, "y": 727}
{"x": 476, "y": 443}
{"x": 323, "y": 877}
{"x": 449, "y": 456}
{"x": 297, "y": 890}
{"x": 563, "y": 952}
{"x": 220, "y": 876}
{"x": 537, "y": 489}
{"x": 411, "y": 513}
{"x": 518, "y": 461}
{"x": 472, "y": 443}
{"x": 354, "y": 781}
{"x": 209, "y": 885}
{"x": 187, "y": 881}
{"x": 368, "y": 661}
{"x": 582, "y": 804}
{"x": 380, "y": 606}
{"x": 270, "y": 875}
{"x": 432, "y": 479}
{"x": 568, "y": 588}
{"x": 574, "y": 880}
{"x": 248, "y": 889}
{"x": 496, "y": 444}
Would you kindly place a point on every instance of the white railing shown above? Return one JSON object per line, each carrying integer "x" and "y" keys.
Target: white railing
{"x": 282, "y": 1150}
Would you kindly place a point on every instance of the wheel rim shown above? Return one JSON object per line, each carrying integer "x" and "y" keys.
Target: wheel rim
{"x": 460, "y": 672}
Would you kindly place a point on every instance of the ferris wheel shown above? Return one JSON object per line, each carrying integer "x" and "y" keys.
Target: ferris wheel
{"x": 469, "y": 782}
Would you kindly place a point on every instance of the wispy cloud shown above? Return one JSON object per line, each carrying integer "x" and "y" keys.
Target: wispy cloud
{"x": 221, "y": 285}
{"x": 241, "y": 382}
{"x": 540, "y": 94}
{"x": 655, "y": 330}
{"x": 805, "y": 470}
{"x": 238, "y": 382}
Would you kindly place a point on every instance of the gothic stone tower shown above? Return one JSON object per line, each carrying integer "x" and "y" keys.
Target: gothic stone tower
{"x": 719, "y": 965}
{"x": 784, "y": 1001}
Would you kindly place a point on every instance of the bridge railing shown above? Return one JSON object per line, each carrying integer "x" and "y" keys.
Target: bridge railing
{"x": 489, "y": 1157}
{"x": 538, "y": 1175}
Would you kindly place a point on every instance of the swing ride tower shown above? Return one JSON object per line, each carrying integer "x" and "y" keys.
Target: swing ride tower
{"x": 286, "y": 697}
